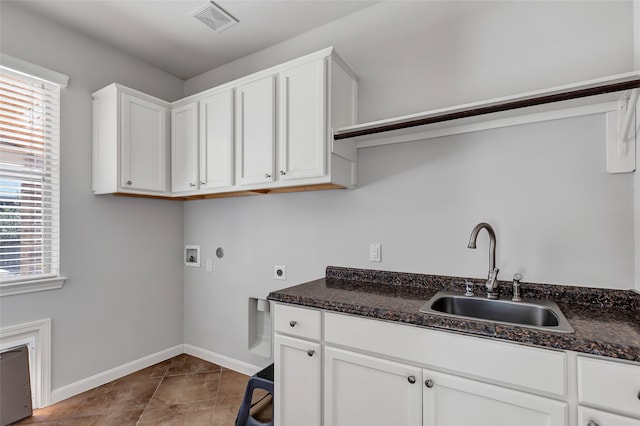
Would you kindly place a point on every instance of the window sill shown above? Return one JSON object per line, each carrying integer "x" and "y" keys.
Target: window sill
{"x": 31, "y": 286}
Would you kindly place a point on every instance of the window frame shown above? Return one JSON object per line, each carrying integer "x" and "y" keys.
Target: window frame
{"x": 41, "y": 282}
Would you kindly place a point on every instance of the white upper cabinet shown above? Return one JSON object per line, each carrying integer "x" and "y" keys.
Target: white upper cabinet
{"x": 302, "y": 141}
{"x": 271, "y": 131}
{"x": 202, "y": 144}
{"x": 184, "y": 148}
{"x": 130, "y": 142}
{"x": 284, "y": 121}
{"x": 216, "y": 141}
{"x": 255, "y": 131}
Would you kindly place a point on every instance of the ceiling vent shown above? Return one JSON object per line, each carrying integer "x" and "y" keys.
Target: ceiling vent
{"x": 215, "y": 17}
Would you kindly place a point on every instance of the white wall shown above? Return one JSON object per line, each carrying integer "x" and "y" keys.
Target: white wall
{"x": 123, "y": 298}
{"x": 560, "y": 218}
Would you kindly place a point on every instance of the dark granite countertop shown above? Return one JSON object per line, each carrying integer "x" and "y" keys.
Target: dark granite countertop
{"x": 606, "y": 322}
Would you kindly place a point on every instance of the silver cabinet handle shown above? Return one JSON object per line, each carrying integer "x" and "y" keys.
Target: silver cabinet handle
{"x": 639, "y": 395}
{"x": 267, "y": 175}
{"x": 202, "y": 182}
{"x": 293, "y": 323}
{"x": 191, "y": 184}
{"x": 428, "y": 383}
{"x": 592, "y": 423}
{"x": 411, "y": 379}
{"x": 282, "y": 173}
{"x": 129, "y": 182}
{"x": 310, "y": 352}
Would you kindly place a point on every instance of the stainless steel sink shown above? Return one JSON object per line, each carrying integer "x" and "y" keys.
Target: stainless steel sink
{"x": 541, "y": 314}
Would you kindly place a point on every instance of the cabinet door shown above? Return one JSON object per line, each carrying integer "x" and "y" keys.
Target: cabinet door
{"x": 363, "y": 390}
{"x": 143, "y": 144}
{"x": 612, "y": 386}
{"x": 216, "y": 140}
{"x": 591, "y": 417}
{"x": 255, "y": 131}
{"x": 184, "y": 148}
{"x": 454, "y": 401}
{"x": 302, "y": 138}
{"x": 297, "y": 382}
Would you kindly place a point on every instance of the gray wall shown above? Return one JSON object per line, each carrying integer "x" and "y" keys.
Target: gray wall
{"x": 636, "y": 34}
{"x": 542, "y": 185}
{"x": 636, "y": 66}
{"x": 560, "y": 218}
{"x": 414, "y": 56}
{"x": 123, "y": 298}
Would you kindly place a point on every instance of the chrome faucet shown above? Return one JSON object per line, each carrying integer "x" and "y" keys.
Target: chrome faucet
{"x": 492, "y": 280}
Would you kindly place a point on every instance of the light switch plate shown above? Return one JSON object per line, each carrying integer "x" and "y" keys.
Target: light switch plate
{"x": 209, "y": 265}
{"x": 374, "y": 252}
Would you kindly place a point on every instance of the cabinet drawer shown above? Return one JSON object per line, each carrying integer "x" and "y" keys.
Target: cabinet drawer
{"x": 519, "y": 366}
{"x": 611, "y": 385}
{"x": 601, "y": 418}
{"x": 301, "y": 322}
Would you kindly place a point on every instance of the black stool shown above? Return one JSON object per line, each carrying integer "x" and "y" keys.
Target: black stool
{"x": 263, "y": 379}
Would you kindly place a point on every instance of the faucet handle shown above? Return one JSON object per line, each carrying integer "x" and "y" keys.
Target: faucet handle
{"x": 517, "y": 276}
{"x": 493, "y": 275}
{"x": 469, "y": 288}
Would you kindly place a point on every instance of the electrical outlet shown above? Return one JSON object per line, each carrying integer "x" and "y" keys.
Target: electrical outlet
{"x": 279, "y": 272}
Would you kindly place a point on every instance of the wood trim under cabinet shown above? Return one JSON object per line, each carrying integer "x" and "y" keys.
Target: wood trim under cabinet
{"x": 301, "y": 188}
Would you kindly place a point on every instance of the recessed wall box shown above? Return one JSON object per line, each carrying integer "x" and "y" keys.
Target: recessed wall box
{"x": 192, "y": 256}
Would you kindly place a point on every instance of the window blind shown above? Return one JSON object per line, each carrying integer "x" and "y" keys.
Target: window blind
{"x": 29, "y": 177}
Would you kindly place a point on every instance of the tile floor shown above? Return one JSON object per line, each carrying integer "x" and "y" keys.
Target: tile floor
{"x": 184, "y": 390}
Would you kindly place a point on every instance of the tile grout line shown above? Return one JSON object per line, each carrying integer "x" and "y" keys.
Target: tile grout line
{"x": 215, "y": 401}
{"x": 154, "y": 394}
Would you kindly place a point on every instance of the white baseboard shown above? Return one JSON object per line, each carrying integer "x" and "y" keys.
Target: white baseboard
{"x": 99, "y": 379}
{"x": 222, "y": 360}
{"x": 83, "y": 385}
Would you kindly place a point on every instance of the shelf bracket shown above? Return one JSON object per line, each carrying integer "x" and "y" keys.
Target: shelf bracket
{"x": 621, "y": 135}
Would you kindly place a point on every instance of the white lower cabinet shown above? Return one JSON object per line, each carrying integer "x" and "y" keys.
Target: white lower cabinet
{"x": 297, "y": 382}
{"x": 591, "y": 417}
{"x": 454, "y": 401}
{"x": 380, "y": 373}
{"x": 365, "y": 390}
{"x": 612, "y": 389}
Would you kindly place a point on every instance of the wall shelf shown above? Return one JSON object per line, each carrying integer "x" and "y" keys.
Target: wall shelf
{"x": 615, "y": 95}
